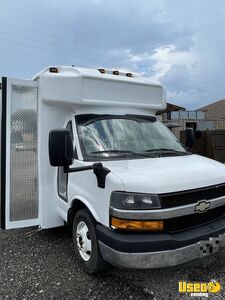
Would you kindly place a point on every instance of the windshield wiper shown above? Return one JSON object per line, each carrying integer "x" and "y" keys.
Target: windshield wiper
{"x": 120, "y": 152}
{"x": 167, "y": 150}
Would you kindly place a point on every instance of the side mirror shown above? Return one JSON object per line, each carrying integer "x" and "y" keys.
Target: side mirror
{"x": 60, "y": 148}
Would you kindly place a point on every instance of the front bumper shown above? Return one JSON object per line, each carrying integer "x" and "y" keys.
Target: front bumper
{"x": 157, "y": 250}
{"x": 162, "y": 259}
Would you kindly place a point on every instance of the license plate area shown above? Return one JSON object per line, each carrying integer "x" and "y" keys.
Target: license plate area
{"x": 212, "y": 245}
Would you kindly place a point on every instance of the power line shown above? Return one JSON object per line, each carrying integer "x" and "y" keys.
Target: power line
{"x": 72, "y": 55}
{"x": 49, "y": 50}
{"x": 53, "y": 44}
{"x": 52, "y": 34}
{"x": 83, "y": 49}
{"x": 187, "y": 79}
{"x": 42, "y": 57}
{"x": 25, "y": 53}
{"x": 196, "y": 88}
{"x": 77, "y": 56}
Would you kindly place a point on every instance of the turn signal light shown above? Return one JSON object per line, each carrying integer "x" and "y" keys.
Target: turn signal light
{"x": 53, "y": 70}
{"x": 137, "y": 225}
{"x": 129, "y": 74}
{"x": 101, "y": 71}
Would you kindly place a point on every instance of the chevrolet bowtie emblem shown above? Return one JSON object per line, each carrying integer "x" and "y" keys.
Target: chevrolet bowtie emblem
{"x": 202, "y": 206}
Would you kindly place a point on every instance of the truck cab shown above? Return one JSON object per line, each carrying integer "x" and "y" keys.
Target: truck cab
{"x": 102, "y": 163}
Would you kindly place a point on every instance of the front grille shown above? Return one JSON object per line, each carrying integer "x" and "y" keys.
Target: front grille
{"x": 191, "y": 196}
{"x": 194, "y": 220}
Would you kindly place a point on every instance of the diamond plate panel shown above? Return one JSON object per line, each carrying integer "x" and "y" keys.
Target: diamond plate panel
{"x": 23, "y": 158}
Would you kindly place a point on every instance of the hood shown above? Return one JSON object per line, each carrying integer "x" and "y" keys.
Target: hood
{"x": 167, "y": 174}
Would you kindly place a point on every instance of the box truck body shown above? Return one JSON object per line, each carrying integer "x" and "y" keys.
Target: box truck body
{"x": 84, "y": 147}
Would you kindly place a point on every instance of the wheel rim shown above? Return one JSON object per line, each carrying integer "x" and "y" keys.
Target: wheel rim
{"x": 83, "y": 241}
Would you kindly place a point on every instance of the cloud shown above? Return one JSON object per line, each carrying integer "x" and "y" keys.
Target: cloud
{"x": 165, "y": 57}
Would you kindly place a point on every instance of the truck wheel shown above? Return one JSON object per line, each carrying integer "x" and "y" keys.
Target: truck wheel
{"x": 86, "y": 244}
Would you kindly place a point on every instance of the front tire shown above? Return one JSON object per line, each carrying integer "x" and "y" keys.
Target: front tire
{"x": 85, "y": 243}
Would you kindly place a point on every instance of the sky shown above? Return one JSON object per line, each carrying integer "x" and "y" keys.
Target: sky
{"x": 179, "y": 43}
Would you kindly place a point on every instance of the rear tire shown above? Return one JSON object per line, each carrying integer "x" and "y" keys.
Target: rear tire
{"x": 85, "y": 243}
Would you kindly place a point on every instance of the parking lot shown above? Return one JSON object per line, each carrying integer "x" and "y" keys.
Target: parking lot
{"x": 40, "y": 265}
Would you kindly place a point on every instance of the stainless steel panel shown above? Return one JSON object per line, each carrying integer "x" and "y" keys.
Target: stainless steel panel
{"x": 23, "y": 156}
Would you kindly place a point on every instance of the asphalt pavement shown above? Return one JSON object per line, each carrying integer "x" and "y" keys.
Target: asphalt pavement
{"x": 41, "y": 265}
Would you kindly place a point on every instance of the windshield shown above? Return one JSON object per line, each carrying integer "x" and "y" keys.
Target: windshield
{"x": 125, "y": 136}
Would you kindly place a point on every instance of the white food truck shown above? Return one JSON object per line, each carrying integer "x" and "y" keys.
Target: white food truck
{"x": 83, "y": 147}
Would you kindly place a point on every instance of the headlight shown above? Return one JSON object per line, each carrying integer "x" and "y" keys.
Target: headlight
{"x": 123, "y": 200}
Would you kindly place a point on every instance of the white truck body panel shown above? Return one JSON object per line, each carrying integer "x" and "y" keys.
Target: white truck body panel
{"x": 177, "y": 174}
{"x": 85, "y": 87}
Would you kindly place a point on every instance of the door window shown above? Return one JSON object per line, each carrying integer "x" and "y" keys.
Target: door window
{"x": 62, "y": 176}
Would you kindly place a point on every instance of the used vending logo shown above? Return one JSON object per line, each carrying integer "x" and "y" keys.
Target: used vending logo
{"x": 199, "y": 289}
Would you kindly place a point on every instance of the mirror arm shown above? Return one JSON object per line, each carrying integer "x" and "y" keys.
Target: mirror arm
{"x": 98, "y": 169}
{"x": 67, "y": 169}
